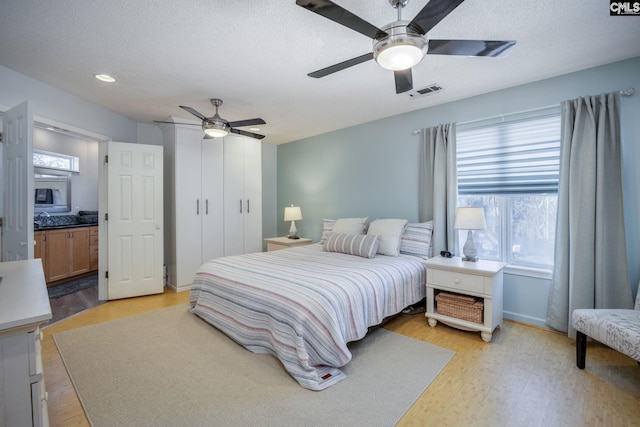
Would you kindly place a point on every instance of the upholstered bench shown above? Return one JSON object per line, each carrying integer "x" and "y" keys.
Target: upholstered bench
{"x": 617, "y": 328}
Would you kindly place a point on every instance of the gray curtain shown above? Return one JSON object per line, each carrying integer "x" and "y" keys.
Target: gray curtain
{"x": 590, "y": 262}
{"x": 439, "y": 184}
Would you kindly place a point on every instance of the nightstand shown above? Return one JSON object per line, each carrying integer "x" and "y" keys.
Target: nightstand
{"x": 275, "y": 243}
{"x": 482, "y": 279}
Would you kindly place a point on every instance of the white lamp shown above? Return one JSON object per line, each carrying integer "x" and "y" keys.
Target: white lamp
{"x": 470, "y": 219}
{"x": 293, "y": 214}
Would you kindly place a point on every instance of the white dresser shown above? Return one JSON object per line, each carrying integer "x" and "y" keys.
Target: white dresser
{"x": 24, "y": 306}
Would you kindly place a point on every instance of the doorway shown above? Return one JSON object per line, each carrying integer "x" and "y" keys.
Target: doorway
{"x": 72, "y": 280}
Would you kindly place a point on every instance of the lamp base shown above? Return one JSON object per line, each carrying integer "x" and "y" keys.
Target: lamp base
{"x": 293, "y": 237}
{"x": 469, "y": 250}
{"x": 293, "y": 231}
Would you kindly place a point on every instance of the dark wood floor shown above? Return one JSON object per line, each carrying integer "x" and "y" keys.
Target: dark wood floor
{"x": 74, "y": 303}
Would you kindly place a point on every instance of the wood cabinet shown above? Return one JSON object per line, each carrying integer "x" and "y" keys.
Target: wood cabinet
{"x": 65, "y": 252}
{"x": 213, "y": 199}
{"x": 24, "y": 306}
{"x": 93, "y": 248}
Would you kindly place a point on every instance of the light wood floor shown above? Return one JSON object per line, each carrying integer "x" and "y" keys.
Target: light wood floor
{"x": 526, "y": 376}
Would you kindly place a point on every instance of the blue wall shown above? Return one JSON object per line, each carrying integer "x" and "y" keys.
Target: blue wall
{"x": 372, "y": 169}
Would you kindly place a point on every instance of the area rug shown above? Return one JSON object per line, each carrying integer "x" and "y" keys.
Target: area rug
{"x": 170, "y": 368}
{"x": 66, "y": 288}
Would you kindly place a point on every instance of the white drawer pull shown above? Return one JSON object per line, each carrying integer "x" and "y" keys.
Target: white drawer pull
{"x": 456, "y": 281}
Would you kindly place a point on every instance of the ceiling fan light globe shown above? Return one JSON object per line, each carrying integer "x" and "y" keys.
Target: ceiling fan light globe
{"x": 215, "y": 130}
{"x": 400, "y": 48}
{"x": 399, "y": 57}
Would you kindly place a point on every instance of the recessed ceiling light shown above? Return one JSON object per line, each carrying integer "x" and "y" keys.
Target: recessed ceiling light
{"x": 254, "y": 129}
{"x": 105, "y": 78}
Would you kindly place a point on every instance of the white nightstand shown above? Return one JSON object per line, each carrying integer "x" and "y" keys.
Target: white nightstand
{"x": 275, "y": 243}
{"x": 482, "y": 279}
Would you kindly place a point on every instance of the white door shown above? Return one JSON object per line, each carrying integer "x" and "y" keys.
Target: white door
{"x": 253, "y": 195}
{"x": 17, "y": 183}
{"x": 188, "y": 207}
{"x": 235, "y": 204}
{"x": 135, "y": 220}
{"x": 212, "y": 196}
{"x": 242, "y": 195}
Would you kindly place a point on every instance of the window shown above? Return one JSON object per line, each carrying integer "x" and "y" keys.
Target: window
{"x": 510, "y": 168}
{"x": 46, "y": 159}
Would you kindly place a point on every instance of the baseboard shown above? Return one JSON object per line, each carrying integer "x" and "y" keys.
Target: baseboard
{"x": 528, "y": 320}
{"x": 179, "y": 288}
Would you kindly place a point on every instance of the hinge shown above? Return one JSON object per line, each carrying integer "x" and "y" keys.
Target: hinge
{"x": 106, "y": 274}
{"x": 0, "y": 221}
{"x": 106, "y": 217}
{"x": 106, "y": 159}
{"x": 0, "y": 136}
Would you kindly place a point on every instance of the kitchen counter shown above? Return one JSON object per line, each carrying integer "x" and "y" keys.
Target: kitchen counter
{"x": 56, "y": 222}
{"x": 37, "y": 227}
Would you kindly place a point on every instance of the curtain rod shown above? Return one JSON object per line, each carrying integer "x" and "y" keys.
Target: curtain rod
{"x": 626, "y": 92}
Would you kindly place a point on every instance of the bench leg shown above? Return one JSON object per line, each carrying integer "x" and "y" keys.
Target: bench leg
{"x": 581, "y": 349}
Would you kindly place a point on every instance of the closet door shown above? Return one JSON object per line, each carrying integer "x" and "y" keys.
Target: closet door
{"x": 188, "y": 194}
{"x": 212, "y": 199}
{"x": 235, "y": 204}
{"x": 252, "y": 180}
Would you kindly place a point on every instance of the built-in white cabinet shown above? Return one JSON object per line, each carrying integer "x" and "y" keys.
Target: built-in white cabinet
{"x": 24, "y": 306}
{"x": 213, "y": 199}
{"x": 242, "y": 195}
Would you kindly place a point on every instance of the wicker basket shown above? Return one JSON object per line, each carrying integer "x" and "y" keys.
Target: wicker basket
{"x": 463, "y": 307}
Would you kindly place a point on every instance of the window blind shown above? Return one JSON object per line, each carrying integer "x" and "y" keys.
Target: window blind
{"x": 515, "y": 156}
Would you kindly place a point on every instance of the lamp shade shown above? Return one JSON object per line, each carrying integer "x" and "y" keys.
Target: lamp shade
{"x": 470, "y": 219}
{"x": 292, "y": 213}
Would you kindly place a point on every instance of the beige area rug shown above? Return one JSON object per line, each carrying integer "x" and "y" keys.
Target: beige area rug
{"x": 170, "y": 368}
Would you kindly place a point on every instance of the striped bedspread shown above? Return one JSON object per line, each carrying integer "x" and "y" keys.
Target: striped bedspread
{"x": 303, "y": 305}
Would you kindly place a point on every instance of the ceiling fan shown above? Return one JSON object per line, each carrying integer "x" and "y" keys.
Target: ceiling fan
{"x": 216, "y": 126}
{"x": 400, "y": 45}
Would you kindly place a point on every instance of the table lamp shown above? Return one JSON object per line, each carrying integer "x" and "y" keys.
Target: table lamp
{"x": 293, "y": 214}
{"x": 470, "y": 219}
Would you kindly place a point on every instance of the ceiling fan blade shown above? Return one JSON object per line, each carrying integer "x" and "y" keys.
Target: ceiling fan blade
{"x": 177, "y": 123}
{"x": 434, "y": 12}
{"x": 404, "y": 80}
{"x": 245, "y": 133}
{"x": 338, "y": 14}
{"x": 248, "y": 122}
{"x": 341, "y": 66}
{"x": 194, "y": 112}
{"x": 493, "y": 48}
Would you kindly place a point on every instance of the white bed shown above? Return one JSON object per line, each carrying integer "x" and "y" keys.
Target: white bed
{"x": 303, "y": 305}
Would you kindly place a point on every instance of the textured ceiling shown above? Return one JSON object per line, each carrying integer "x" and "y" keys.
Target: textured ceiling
{"x": 255, "y": 54}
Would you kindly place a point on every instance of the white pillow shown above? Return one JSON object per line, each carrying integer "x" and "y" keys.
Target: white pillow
{"x": 390, "y": 232}
{"x": 363, "y": 245}
{"x": 350, "y": 225}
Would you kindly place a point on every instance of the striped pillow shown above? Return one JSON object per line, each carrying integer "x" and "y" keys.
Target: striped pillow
{"x": 362, "y": 245}
{"x": 416, "y": 240}
{"x": 327, "y": 226}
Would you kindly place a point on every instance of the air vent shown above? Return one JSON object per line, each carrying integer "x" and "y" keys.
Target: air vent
{"x": 429, "y": 90}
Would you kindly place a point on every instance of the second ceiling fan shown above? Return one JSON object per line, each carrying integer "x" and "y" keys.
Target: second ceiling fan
{"x": 400, "y": 45}
{"x": 216, "y": 127}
